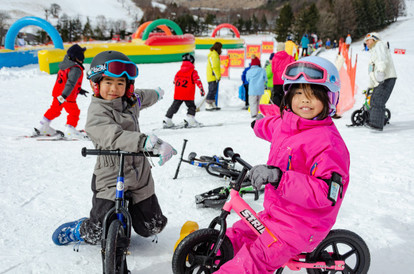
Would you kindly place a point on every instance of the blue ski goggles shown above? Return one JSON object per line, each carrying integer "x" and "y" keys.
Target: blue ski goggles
{"x": 115, "y": 68}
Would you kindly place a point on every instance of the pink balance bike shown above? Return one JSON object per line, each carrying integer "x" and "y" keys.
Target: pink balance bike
{"x": 206, "y": 250}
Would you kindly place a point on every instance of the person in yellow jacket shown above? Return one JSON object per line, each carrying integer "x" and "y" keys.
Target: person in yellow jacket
{"x": 213, "y": 76}
{"x": 291, "y": 48}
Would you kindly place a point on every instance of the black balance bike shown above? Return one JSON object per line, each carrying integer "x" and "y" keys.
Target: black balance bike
{"x": 117, "y": 222}
{"x": 361, "y": 116}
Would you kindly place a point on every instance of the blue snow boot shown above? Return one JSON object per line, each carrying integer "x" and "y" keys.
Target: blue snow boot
{"x": 68, "y": 232}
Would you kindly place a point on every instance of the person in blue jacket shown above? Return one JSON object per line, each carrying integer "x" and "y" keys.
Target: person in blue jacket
{"x": 305, "y": 44}
{"x": 246, "y": 86}
{"x": 256, "y": 76}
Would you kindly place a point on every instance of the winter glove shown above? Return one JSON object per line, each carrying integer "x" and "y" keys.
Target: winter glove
{"x": 379, "y": 76}
{"x": 263, "y": 174}
{"x": 83, "y": 92}
{"x": 61, "y": 99}
{"x": 202, "y": 93}
{"x": 160, "y": 93}
{"x": 158, "y": 146}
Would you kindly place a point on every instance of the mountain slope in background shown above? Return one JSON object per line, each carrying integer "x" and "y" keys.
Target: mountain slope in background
{"x": 112, "y": 9}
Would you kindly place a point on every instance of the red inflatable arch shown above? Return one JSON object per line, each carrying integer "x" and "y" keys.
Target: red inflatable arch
{"x": 141, "y": 29}
{"x": 226, "y": 26}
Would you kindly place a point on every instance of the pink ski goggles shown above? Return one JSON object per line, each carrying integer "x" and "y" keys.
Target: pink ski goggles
{"x": 310, "y": 71}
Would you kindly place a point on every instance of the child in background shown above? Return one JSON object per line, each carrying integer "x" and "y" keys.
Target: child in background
{"x": 213, "y": 76}
{"x": 256, "y": 76}
{"x": 279, "y": 62}
{"x": 307, "y": 156}
{"x": 269, "y": 72}
{"x": 185, "y": 81}
{"x": 112, "y": 123}
{"x": 245, "y": 84}
{"x": 67, "y": 87}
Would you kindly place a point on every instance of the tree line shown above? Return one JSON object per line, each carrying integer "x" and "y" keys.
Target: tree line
{"x": 327, "y": 18}
{"x": 337, "y": 18}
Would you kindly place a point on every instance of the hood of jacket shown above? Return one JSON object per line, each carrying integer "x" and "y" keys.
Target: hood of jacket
{"x": 187, "y": 66}
{"x": 67, "y": 63}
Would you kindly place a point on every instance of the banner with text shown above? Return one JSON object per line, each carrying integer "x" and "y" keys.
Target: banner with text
{"x": 267, "y": 47}
{"x": 236, "y": 57}
{"x": 224, "y": 65}
{"x": 253, "y": 50}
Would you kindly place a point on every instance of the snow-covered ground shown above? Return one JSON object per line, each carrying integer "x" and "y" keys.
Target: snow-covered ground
{"x": 43, "y": 184}
{"x": 113, "y": 10}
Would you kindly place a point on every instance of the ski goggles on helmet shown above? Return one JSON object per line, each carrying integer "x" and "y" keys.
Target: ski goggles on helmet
{"x": 115, "y": 68}
{"x": 310, "y": 71}
{"x": 371, "y": 36}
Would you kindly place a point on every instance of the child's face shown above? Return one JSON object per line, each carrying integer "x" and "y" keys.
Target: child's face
{"x": 112, "y": 88}
{"x": 306, "y": 105}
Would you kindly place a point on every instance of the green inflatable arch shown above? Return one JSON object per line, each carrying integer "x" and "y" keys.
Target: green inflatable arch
{"x": 159, "y": 22}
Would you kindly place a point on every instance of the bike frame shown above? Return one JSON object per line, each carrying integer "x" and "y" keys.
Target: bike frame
{"x": 249, "y": 216}
{"x": 121, "y": 206}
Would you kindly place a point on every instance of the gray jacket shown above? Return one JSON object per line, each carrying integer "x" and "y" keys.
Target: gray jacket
{"x": 114, "y": 125}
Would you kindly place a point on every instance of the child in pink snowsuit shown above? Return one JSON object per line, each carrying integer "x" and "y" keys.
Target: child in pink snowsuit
{"x": 307, "y": 155}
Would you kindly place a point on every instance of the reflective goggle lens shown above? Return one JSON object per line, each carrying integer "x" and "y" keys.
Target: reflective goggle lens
{"x": 118, "y": 67}
{"x": 310, "y": 71}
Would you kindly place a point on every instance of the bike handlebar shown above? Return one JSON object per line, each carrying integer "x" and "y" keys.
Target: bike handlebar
{"x": 117, "y": 152}
{"x": 235, "y": 157}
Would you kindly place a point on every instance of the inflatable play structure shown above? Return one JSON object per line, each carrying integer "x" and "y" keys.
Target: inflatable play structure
{"x": 228, "y": 42}
{"x": 151, "y": 48}
{"x": 11, "y": 57}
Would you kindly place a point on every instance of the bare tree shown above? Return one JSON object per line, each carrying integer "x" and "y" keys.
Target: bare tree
{"x": 55, "y": 10}
{"x": 3, "y": 25}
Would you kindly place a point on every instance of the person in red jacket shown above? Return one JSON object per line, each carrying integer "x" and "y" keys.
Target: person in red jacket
{"x": 67, "y": 87}
{"x": 185, "y": 81}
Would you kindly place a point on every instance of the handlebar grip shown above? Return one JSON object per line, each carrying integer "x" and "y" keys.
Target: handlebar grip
{"x": 235, "y": 157}
{"x": 118, "y": 152}
{"x": 228, "y": 152}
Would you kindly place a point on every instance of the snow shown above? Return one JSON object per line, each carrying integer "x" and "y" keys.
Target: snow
{"x": 44, "y": 184}
{"x": 112, "y": 10}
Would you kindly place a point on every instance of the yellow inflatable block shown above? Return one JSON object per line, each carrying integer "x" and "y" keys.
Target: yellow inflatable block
{"x": 187, "y": 228}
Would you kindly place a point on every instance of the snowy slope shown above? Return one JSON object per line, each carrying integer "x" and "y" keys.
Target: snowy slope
{"x": 43, "y": 184}
{"x": 112, "y": 9}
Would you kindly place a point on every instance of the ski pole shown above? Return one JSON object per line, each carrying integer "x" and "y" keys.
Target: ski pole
{"x": 181, "y": 159}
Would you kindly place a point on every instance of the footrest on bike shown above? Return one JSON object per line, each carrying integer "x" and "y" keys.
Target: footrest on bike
{"x": 213, "y": 198}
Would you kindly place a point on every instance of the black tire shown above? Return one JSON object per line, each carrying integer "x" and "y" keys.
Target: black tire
{"x": 191, "y": 255}
{"x": 343, "y": 245}
{"x": 387, "y": 116}
{"x": 207, "y": 159}
{"x": 230, "y": 173}
{"x": 358, "y": 117}
{"x": 115, "y": 249}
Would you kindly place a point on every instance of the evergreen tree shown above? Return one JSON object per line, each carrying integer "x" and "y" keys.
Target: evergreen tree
{"x": 284, "y": 23}
{"x": 87, "y": 30}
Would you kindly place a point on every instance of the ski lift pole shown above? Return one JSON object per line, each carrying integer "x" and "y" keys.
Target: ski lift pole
{"x": 181, "y": 159}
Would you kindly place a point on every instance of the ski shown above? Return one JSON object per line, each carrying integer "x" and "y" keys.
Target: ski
{"x": 185, "y": 126}
{"x": 36, "y": 136}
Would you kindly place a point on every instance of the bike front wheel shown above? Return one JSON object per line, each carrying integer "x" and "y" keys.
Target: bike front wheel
{"x": 193, "y": 254}
{"x": 343, "y": 245}
{"x": 115, "y": 249}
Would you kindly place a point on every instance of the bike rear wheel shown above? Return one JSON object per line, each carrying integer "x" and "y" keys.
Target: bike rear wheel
{"x": 115, "y": 249}
{"x": 343, "y": 245}
{"x": 358, "y": 117}
{"x": 192, "y": 255}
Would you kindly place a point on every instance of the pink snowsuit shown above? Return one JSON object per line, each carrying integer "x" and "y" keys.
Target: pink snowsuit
{"x": 298, "y": 212}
